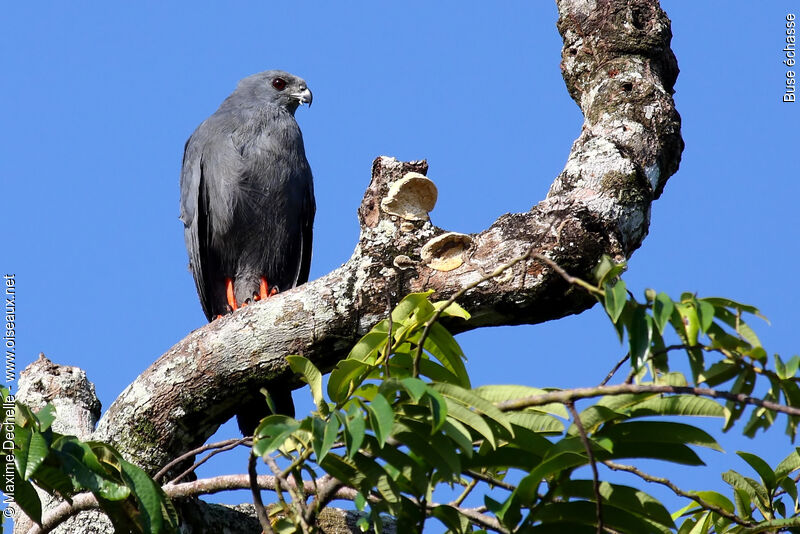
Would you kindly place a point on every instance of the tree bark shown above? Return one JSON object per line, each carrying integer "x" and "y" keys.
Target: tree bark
{"x": 618, "y": 67}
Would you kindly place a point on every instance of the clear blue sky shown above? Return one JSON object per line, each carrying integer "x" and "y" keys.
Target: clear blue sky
{"x": 97, "y": 102}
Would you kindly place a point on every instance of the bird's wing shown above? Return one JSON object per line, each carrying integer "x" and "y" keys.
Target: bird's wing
{"x": 307, "y": 230}
{"x": 210, "y": 162}
{"x": 191, "y": 212}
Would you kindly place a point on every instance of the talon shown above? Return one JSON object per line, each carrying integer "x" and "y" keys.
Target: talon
{"x": 264, "y": 290}
{"x": 231, "y": 297}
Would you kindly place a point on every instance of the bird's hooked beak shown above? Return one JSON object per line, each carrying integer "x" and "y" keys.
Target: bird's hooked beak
{"x": 304, "y": 96}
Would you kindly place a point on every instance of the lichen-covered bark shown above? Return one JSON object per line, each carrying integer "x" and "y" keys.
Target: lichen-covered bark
{"x": 619, "y": 69}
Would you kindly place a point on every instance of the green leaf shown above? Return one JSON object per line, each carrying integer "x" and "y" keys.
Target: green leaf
{"x": 761, "y": 467}
{"x": 343, "y": 469}
{"x": 688, "y": 405}
{"x": 640, "y": 335}
{"x": 150, "y": 498}
{"x": 378, "y": 477}
{"x": 536, "y": 422}
{"x": 367, "y": 348}
{"x": 434, "y": 449}
{"x": 38, "y": 449}
{"x": 668, "y": 452}
{"x": 444, "y": 347}
{"x": 414, "y": 304}
{"x": 451, "y": 518}
{"x": 594, "y": 416}
{"x": 788, "y": 465}
{"x": 381, "y": 418}
{"x": 774, "y": 525}
{"x": 780, "y": 368}
{"x": 790, "y": 486}
{"x": 79, "y": 461}
{"x": 615, "y": 298}
{"x": 689, "y": 322}
{"x": 438, "y": 408}
{"x": 735, "y": 321}
{"x": 46, "y": 416}
{"x": 324, "y": 435}
{"x": 754, "y": 491}
{"x": 27, "y": 498}
{"x": 705, "y": 313}
{"x": 272, "y": 433}
{"x": 344, "y": 377}
{"x": 313, "y": 378}
{"x": 744, "y": 384}
{"x": 355, "y": 428}
{"x": 415, "y": 387}
{"x": 658, "y": 431}
{"x": 625, "y": 498}
{"x": 716, "y": 499}
{"x": 607, "y": 269}
{"x": 584, "y": 513}
{"x": 401, "y": 363}
{"x": 719, "y": 372}
{"x": 743, "y": 503}
{"x": 723, "y": 303}
{"x": 792, "y": 366}
{"x": 470, "y": 399}
{"x": 662, "y": 310}
{"x": 453, "y": 310}
{"x": 459, "y": 434}
{"x": 550, "y": 467}
{"x": 457, "y": 412}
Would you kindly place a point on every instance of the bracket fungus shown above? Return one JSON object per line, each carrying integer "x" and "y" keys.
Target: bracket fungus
{"x": 411, "y": 197}
{"x": 446, "y": 252}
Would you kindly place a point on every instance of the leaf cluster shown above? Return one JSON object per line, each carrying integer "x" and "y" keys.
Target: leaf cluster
{"x": 64, "y": 466}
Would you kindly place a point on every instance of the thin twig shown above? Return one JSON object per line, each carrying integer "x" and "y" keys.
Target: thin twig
{"x": 613, "y": 371}
{"x": 592, "y": 462}
{"x": 261, "y": 512}
{"x": 567, "y": 395}
{"x": 467, "y": 490}
{"x": 195, "y": 452}
{"x": 594, "y": 290}
{"x": 207, "y": 457}
{"x": 490, "y": 480}
{"x": 675, "y": 489}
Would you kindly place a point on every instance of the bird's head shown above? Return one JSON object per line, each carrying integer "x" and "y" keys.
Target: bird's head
{"x": 277, "y": 87}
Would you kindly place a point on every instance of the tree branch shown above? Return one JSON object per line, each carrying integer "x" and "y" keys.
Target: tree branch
{"x": 587, "y": 445}
{"x": 196, "y": 488}
{"x": 569, "y": 395}
{"x": 677, "y": 491}
{"x": 618, "y": 67}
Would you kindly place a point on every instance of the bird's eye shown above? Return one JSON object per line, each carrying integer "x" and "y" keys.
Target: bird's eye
{"x": 279, "y": 84}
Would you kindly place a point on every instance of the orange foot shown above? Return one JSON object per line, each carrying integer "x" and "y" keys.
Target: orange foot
{"x": 230, "y": 294}
{"x": 264, "y": 291}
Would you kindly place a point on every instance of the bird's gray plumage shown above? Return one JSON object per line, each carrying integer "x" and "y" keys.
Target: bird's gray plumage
{"x": 247, "y": 197}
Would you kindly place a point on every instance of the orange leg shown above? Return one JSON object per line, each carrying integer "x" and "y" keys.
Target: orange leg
{"x": 231, "y": 296}
{"x": 264, "y": 291}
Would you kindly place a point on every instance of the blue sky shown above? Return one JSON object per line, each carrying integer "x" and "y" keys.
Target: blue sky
{"x": 97, "y": 102}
